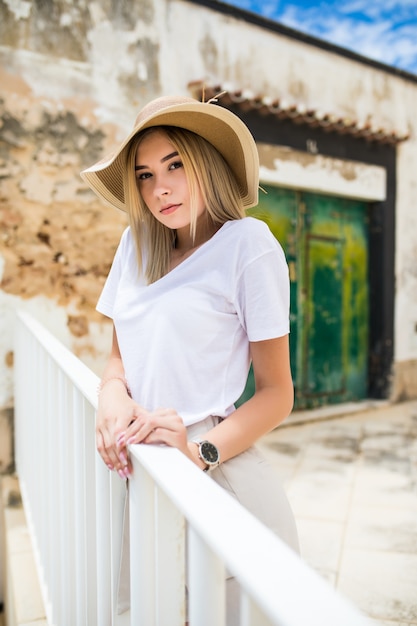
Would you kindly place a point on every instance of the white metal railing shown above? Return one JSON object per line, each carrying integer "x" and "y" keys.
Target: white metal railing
{"x": 74, "y": 508}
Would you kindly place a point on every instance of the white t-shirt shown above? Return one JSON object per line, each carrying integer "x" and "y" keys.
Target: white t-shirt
{"x": 184, "y": 340}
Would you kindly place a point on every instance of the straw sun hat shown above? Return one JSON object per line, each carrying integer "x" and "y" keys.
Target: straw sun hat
{"x": 224, "y": 130}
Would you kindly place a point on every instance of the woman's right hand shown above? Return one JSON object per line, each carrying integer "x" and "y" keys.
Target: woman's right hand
{"x": 116, "y": 410}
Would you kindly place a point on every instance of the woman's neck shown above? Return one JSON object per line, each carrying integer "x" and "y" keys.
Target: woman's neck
{"x": 185, "y": 245}
{"x": 185, "y": 242}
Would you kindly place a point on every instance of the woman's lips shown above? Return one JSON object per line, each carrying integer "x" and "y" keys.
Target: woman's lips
{"x": 170, "y": 208}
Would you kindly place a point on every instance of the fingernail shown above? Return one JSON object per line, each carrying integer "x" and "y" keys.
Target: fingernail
{"x": 110, "y": 466}
{"x": 120, "y": 438}
{"x": 121, "y": 473}
{"x": 126, "y": 472}
{"x": 123, "y": 458}
{"x": 130, "y": 440}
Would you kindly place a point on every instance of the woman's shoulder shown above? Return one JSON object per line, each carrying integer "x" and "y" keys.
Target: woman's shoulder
{"x": 126, "y": 235}
{"x": 250, "y": 226}
{"x": 126, "y": 240}
{"x": 252, "y": 233}
{"x": 126, "y": 249}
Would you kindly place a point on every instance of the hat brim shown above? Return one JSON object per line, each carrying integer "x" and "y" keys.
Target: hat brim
{"x": 222, "y": 128}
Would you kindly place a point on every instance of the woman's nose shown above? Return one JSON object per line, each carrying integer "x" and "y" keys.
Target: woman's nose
{"x": 161, "y": 188}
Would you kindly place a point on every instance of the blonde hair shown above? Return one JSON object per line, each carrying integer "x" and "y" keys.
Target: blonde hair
{"x": 207, "y": 172}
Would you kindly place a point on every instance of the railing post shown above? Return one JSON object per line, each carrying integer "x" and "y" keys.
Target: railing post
{"x": 103, "y": 547}
{"x": 206, "y": 584}
{"x": 63, "y": 558}
{"x": 250, "y": 613}
{"x": 142, "y": 541}
{"x": 80, "y": 535}
{"x": 170, "y": 563}
{"x": 90, "y": 526}
{"x": 46, "y": 537}
{"x": 118, "y": 499}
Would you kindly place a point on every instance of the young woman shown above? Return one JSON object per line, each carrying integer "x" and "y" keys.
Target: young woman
{"x": 197, "y": 292}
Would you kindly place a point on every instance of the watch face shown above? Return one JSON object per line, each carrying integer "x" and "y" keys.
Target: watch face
{"x": 209, "y": 452}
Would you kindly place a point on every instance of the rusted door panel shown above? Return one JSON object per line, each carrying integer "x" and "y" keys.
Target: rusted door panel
{"x": 333, "y": 320}
{"x": 322, "y": 353}
{"x": 356, "y": 299}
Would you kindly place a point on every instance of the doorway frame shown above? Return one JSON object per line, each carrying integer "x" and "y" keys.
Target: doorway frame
{"x": 267, "y": 129}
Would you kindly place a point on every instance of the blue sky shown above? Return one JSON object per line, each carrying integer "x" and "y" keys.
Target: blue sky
{"x": 384, "y": 30}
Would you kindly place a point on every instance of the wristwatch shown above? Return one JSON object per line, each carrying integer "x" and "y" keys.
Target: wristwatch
{"x": 208, "y": 453}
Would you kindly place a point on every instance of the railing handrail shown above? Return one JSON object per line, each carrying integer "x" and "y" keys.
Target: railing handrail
{"x": 281, "y": 586}
{"x": 276, "y": 589}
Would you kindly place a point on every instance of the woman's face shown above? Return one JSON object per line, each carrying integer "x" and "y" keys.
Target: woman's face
{"x": 162, "y": 182}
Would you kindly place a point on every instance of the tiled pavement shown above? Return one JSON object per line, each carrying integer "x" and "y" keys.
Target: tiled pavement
{"x": 352, "y": 484}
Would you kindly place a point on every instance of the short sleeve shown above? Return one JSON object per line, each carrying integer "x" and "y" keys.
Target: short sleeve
{"x": 263, "y": 296}
{"x": 106, "y": 301}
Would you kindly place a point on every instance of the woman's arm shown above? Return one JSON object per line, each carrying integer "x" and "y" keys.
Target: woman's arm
{"x": 116, "y": 410}
{"x": 269, "y": 406}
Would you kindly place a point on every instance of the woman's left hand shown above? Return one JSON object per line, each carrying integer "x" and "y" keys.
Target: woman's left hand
{"x": 163, "y": 426}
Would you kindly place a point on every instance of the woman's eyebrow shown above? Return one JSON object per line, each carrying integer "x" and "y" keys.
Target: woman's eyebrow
{"x": 165, "y": 158}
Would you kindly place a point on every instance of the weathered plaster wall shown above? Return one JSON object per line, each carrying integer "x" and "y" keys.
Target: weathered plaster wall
{"x": 55, "y": 239}
{"x": 74, "y": 73}
{"x": 300, "y": 170}
{"x": 406, "y": 248}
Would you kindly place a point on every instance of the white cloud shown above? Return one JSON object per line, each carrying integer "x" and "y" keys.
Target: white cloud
{"x": 397, "y": 9}
{"x": 391, "y": 42}
{"x": 269, "y": 9}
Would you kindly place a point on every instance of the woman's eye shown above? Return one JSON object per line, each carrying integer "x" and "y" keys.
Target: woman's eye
{"x": 143, "y": 176}
{"x": 175, "y": 165}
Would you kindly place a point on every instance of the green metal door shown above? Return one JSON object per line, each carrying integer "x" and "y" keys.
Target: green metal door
{"x": 325, "y": 241}
{"x": 322, "y": 352}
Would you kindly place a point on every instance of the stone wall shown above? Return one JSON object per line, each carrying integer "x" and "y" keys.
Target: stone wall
{"x": 57, "y": 240}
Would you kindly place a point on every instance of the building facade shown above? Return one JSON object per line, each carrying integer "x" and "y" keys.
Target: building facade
{"x": 337, "y": 141}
